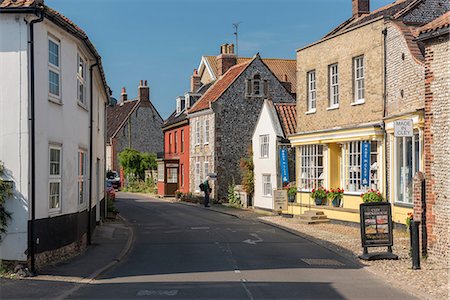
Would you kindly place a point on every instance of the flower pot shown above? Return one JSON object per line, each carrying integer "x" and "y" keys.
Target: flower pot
{"x": 320, "y": 201}
{"x": 291, "y": 198}
{"x": 336, "y": 202}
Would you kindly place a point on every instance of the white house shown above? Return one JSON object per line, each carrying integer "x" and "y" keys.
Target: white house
{"x": 276, "y": 121}
{"x": 52, "y": 88}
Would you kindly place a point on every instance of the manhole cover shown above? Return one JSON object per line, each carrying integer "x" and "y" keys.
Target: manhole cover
{"x": 321, "y": 262}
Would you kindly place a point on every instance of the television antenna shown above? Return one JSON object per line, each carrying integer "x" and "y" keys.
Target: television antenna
{"x": 236, "y": 28}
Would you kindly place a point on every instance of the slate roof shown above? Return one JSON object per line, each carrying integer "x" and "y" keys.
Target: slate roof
{"x": 287, "y": 114}
{"x": 280, "y": 67}
{"x": 175, "y": 118}
{"x": 117, "y": 115}
{"x": 219, "y": 87}
{"x": 438, "y": 23}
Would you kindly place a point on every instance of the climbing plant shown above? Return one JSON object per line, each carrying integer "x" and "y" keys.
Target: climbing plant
{"x": 5, "y": 193}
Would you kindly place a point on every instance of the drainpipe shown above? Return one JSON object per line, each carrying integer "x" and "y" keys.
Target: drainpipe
{"x": 91, "y": 121}
{"x": 31, "y": 233}
{"x": 384, "y": 112}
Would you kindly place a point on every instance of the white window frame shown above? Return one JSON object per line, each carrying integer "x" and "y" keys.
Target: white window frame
{"x": 312, "y": 173}
{"x": 311, "y": 91}
{"x": 197, "y": 177}
{"x": 206, "y": 132}
{"x": 267, "y": 185}
{"x": 359, "y": 80}
{"x": 161, "y": 175}
{"x": 81, "y": 80}
{"x": 333, "y": 78}
{"x": 56, "y": 69}
{"x": 351, "y": 167}
{"x": 416, "y": 143}
{"x": 197, "y": 132}
{"x": 264, "y": 140}
{"x": 82, "y": 177}
{"x": 206, "y": 168}
{"x": 54, "y": 178}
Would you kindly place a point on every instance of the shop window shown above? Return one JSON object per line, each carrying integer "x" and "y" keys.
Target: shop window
{"x": 406, "y": 164}
{"x": 351, "y": 167}
{"x": 311, "y": 168}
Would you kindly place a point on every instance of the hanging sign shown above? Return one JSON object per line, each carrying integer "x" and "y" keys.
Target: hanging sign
{"x": 284, "y": 166}
{"x": 365, "y": 163}
{"x": 403, "y": 128}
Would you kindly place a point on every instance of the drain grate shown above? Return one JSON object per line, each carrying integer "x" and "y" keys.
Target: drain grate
{"x": 321, "y": 262}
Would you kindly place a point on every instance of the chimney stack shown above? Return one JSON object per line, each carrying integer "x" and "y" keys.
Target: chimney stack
{"x": 226, "y": 59}
{"x": 195, "y": 82}
{"x": 123, "y": 95}
{"x": 360, "y": 7}
{"x": 143, "y": 91}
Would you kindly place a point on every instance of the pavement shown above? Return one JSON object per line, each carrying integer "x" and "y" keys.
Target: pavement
{"x": 110, "y": 243}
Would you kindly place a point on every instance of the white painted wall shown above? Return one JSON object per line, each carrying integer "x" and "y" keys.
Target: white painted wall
{"x": 267, "y": 124}
{"x": 14, "y": 134}
{"x": 66, "y": 124}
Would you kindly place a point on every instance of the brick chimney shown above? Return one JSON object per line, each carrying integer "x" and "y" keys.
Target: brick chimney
{"x": 195, "y": 81}
{"x": 226, "y": 59}
{"x": 360, "y": 7}
{"x": 123, "y": 95}
{"x": 143, "y": 91}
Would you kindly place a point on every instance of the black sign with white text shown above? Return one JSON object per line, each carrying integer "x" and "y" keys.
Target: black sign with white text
{"x": 376, "y": 224}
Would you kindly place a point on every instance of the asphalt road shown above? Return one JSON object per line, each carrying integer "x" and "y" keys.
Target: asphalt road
{"x": 185, "y": 252}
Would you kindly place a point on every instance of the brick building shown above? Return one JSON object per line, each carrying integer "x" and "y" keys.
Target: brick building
{"x": 435, "y": 36}
{"x": 220, "y": 134}
{"x": 371, "y": 76}
{"x": 133, "y": 124}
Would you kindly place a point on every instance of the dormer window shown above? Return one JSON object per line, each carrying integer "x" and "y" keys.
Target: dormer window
{"x": 180, "y": 104}
{"x": 256, "y": 87}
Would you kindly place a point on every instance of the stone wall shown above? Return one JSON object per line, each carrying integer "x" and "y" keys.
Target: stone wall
{"x": 236, "y": 117}
{"x": 437, "y": 141}
{"x": 145, "y": 126}
{"x": 341, "y": 49}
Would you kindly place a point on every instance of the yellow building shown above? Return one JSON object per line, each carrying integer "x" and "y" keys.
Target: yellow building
{"x": 352, "y": 85}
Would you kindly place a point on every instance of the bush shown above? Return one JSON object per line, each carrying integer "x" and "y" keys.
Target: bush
{"x": 135, "y": 163}
{"x": 233, "y": 199}
{"x": 140, "y": 186}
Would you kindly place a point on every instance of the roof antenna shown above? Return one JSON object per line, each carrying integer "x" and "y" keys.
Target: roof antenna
{"x": 236, "y": 27}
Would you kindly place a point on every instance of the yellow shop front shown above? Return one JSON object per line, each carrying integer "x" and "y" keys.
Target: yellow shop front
{"x": 333, "y": 159}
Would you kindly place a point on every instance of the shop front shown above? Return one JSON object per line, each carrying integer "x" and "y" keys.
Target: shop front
{"x": 168, "y": 181}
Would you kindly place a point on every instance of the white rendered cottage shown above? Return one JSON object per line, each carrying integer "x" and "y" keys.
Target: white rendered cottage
{"x": 276, "y": 121}
{"x": 52, "y": 87}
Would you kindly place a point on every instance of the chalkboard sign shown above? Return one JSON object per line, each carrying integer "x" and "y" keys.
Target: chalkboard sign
{"x": 376, "y": 224}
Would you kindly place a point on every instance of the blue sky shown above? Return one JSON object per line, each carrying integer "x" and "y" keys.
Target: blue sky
{"x": 162, "y": 40}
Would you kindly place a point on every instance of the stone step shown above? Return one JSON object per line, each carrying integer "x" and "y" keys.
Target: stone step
{"x": 313, "y": 212}
{"x": 314, "y": 221}
{"x": 312, "y": 217}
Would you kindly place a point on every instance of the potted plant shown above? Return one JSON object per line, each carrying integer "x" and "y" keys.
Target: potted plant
{"x": 178, "y": 194}
{"x": 319, "y": 195}
{"x": 335, "y": 195}
{"x": 372, "y": 196}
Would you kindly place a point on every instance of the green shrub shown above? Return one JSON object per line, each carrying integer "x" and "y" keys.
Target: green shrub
{"x": 233, "y": 199}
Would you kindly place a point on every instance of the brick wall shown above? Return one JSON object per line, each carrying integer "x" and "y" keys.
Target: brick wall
{"x": 437, "y": 141}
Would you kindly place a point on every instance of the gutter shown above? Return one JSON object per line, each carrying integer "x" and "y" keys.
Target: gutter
{"x": 32, "y": 119}
{"x": 433, "y": 34}
{"x": 91, "y": 121}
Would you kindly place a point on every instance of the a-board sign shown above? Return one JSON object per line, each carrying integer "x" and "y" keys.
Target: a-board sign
{"x": 403, "y": 128}
{"x": 376, "y": 224}
{"x": 280, "y": 199}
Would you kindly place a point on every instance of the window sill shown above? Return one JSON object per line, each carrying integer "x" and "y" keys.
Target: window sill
{"x": 312, "y": 111}
{"x": 264, "y": 157}
{"x": 333, "y": 107}
{"x": 82, "y": 105}
{"x": 405, "y": 205}
{"x": 54, "y": 212}
{"x": 359, "y": 102}
{"x": 55, "y": 100}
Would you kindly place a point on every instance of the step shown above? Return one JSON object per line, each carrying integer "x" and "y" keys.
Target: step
{"x": 314, "y": 221}
{"x": 313, "y": 212}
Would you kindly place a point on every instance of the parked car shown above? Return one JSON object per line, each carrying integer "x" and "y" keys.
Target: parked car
{"x": 114, "y": 178}
{"x": 110, "y": 192}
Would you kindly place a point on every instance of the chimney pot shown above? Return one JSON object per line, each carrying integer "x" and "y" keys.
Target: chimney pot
{"x": 123, "y": 95}
{"x": 360, "y": 7}
{"x": 226, "y": 59}
{"x": 195, "y": 81}
{"x": 145, "y": 83}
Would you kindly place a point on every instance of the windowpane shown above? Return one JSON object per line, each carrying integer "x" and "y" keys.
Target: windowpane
{"x": 312, "y": 171}
{"x": 54, "y": 194}
{"x": 358, "y": 65}
{"x": 55, "y": 159}
{"x": 206, "y": 131}
{"x": 264, "y": 145}
{"x": 53, "y": 80}
{"x": 172, "y": 175}
{"x": 53, "y": 53}
{"x": 334, "y": 85}
{"x": 311, "y": 90}
{"x": 267, "y": 185}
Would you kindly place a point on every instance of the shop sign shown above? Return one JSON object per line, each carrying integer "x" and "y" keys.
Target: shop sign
{"x": 284, "y": 166}
{"x": 280, "y": 200}
{"x": 172, "y": 165}
{"x": 365, "y": 163}
{"x": 403, "y": 128}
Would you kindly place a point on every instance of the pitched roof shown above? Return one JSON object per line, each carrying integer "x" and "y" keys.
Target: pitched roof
{"x": 117, "y": 115}
{"x": 175, "y": 118}
{"x": 280, "y": 67}
{"x": 219, "y": 87}
{"x": 17, "y": 3}
{"x": 287, "y": 114}
{"x": 438, "y": 23}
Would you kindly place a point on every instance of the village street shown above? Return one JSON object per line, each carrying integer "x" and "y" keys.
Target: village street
{"x": 185, "y": 252}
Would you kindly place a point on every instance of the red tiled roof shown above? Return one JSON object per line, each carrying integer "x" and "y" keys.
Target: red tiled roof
{"x": 280, "y": 67}
{"x": 287, "y": 114}
{"x": 438, "y": 23}
{"x": 17, "y": 3}
{"x": 219, "y": 87}
{"x": 117, "y": 115}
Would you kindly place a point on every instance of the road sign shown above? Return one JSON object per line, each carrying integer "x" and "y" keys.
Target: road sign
{"x": 403, "y": 128}
{"x": 284, "y": 165}
{"x": 365, "y": 163}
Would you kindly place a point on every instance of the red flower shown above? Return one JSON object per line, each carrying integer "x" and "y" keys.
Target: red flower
{"x": 362, "y": 195}
{"x": 313, "y": 190}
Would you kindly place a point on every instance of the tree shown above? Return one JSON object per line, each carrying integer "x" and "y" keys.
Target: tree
{"x": 248, "y": 176}
{"x": 135, "y": 163}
